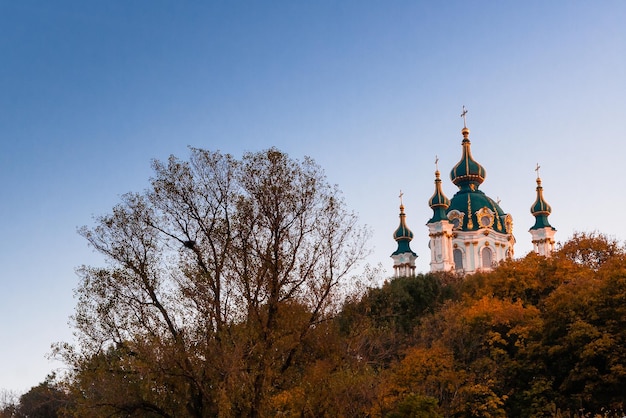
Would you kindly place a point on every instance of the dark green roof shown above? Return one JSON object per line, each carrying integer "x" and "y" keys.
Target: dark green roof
{"x": 403, "y": 232}
{"x": 540, "y": 209}
{"x": 403, "y": 247}
{"x": 403, "y": 235}
{"x": 541, "y": 221}
{"x": 439, "y": 214}
{"x": 467, "y": 171}
{"x": 438, "y": 201}
{"x": 469, "y": 202}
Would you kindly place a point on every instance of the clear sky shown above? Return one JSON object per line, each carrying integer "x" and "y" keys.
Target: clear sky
{"x": 91, "y": 91}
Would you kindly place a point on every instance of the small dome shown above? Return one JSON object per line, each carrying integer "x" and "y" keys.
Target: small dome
{"x": 438, "y": 201}
{"x": 403, "y": 232}
{"x": 403, "y": 235}
{"x": 540, "y": 209}
{"x": 467, "y": 172}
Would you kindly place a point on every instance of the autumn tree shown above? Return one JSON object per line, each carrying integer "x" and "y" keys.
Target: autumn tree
{"x": 332, "y": 382}
{"x": 216, "y": 277}
{"x": 590, "y": 249}
{"x": 537, "y": 337}
{"x": 585, "y": 338}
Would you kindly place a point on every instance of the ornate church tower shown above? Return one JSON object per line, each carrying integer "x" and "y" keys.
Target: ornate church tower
{"x": 440, "y": 229}
{"x": 403, "y": 258}
{"x": 542, "y": 232}
{"x": 475, "y": 233}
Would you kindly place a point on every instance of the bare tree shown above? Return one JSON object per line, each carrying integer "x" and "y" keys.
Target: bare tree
{"x": 9, "y": 402}
{"x": 215, "y": 278}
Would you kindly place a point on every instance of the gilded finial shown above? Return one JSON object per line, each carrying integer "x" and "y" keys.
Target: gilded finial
{"x": 401, "y": 204}
{"x": 436, "y": 163}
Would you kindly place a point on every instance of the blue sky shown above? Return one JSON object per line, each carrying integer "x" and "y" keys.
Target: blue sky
{"x": 91, "y": 91}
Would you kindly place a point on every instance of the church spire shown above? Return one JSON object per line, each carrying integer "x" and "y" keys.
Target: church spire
{"x": 540, "y": 209}
{"x": 403, "y": 257}
{"x": 438, "y": 202}
{"x": 542, "y": 232}
{"x": 403, "y": 235}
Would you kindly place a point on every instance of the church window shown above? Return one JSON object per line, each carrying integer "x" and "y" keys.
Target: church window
{"x": 485, "y": 217}
{"x": 458, "y": 259}
{"x": 456, "y": 217}
{"x": 487, "y": 257}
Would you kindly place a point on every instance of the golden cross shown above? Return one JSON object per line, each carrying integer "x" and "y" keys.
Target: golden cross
{"x": 401, "y": 194}
{"x": 436, "y": 163}
{"x": 537, "y": 169}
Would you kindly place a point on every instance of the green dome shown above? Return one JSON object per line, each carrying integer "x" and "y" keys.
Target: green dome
{"x": 483, "y": 212}
{"x": 467, "y": 172}
{"x": 438, "y": 202}
{"x": 540, "y": 209}
{"x": 403, "y": 235}
{"x": 470, "y": 209}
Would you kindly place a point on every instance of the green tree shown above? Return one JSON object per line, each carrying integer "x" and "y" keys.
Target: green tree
{"x": 401, "y": 302}
{"x": 216, "y": 277}
{"x": 379, "y": 325}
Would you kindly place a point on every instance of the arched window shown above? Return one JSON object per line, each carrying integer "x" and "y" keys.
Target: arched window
{"x": 487, "y": 257}
{"x": 458, "y": 259}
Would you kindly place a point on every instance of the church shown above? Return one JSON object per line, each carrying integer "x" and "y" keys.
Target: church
{"x": 470, "y": 232}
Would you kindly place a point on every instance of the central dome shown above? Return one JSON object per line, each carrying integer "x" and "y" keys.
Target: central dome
{"x": 476, "y": 210}
{"x": 470, "y": 209}
{"x": 467, "y": 173}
